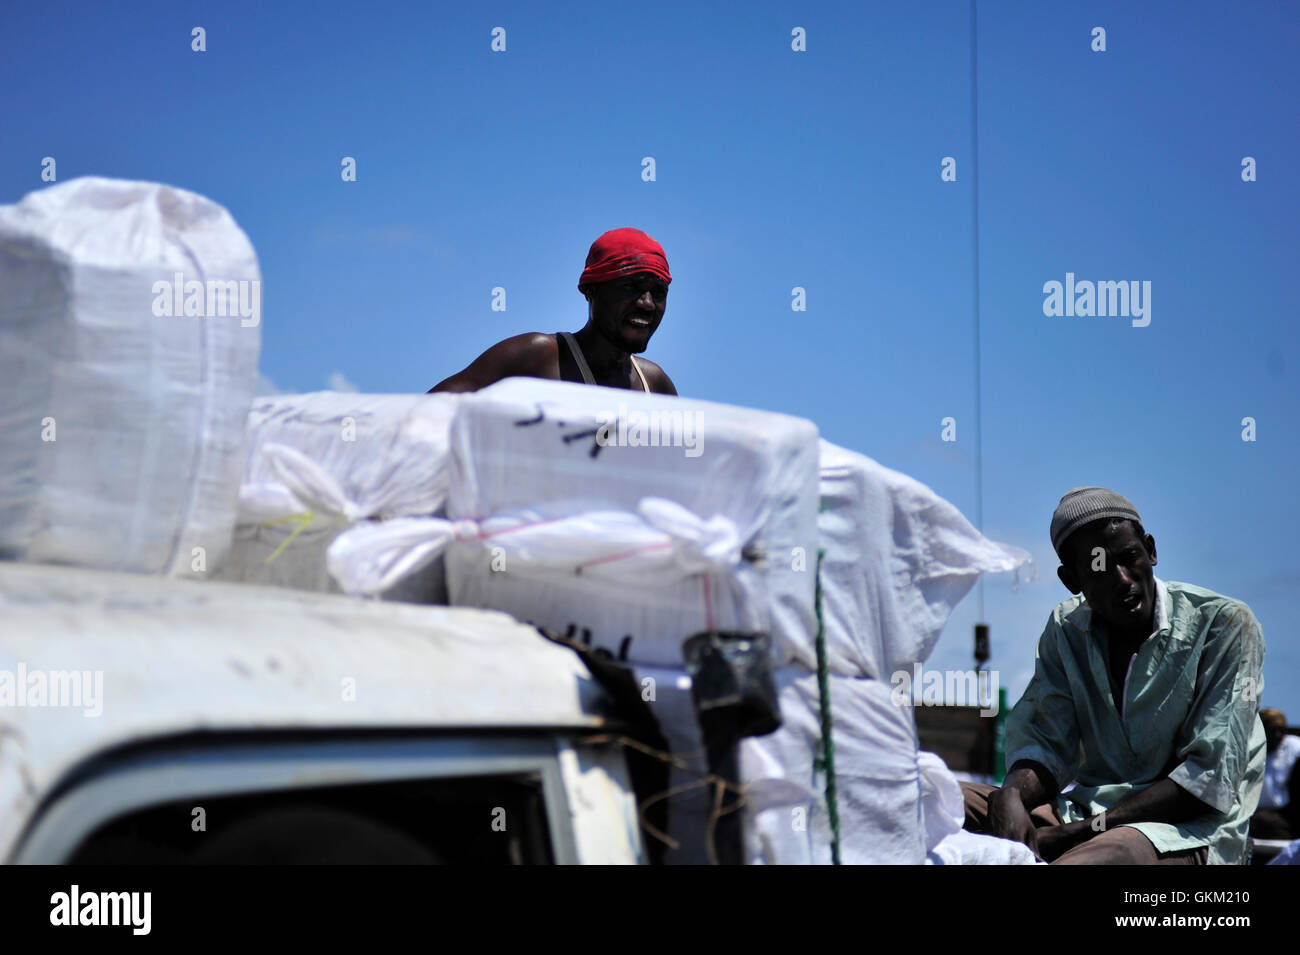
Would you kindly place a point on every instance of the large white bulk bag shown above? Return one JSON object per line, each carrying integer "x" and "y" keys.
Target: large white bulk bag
{"x": 635, "y": 583}
{"x": 898, "y": 559}
{"x": 896, "y": 805}
{"x": 876, "y": 773}
{"x": 323, "y": 464}
{"x": 743, "y": 539}
{"x": 129, "y": 335}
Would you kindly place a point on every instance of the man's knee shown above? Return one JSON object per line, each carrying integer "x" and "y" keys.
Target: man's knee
{"x": 1120, "y": 846}
{"x": 1126, "y": 846}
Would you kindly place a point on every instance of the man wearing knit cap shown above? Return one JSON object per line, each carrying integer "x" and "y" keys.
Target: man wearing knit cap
{"x": 1145, "y": 696}
{"x": 626, "y": 286}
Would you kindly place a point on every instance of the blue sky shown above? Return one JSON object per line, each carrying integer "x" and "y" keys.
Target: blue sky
{"x": 775, "y": 169}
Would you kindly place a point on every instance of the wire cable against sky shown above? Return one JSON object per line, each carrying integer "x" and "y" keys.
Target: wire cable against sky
{"x": 975, "y": 192}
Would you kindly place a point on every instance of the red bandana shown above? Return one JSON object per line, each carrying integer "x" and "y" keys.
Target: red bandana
{"x": 622, "y": 252}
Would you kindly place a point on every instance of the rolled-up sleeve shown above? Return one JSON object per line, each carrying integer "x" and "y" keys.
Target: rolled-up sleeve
{"x": 1214, "y": 741}
{"x": 1044, "y": 726}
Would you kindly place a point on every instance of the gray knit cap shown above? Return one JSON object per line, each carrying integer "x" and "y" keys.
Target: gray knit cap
{"x": 1084, "y": 505}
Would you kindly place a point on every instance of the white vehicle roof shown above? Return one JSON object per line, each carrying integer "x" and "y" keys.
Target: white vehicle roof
{"x": 182, "y": 656}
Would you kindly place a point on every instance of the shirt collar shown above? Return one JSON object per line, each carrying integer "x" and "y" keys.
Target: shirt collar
{"x": 1161, "y": 621}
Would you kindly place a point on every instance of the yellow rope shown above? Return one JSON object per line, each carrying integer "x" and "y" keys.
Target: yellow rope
{"x": 302, "y": 521}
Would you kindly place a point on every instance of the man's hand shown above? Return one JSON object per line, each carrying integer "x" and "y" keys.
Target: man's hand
{"x": 1027, "y": 784}
{"x": 1009, "y": 819}
{"x": 1056, "y": 841}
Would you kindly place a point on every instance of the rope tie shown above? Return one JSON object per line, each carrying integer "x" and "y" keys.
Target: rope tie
{"x": 302, "y": 520}
{"x": 826, "y": 761}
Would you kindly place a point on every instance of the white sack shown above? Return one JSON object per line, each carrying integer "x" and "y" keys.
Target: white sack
{"x": 528, "y": 444}
{"x": 661, "y": 544}
{"x": 943, "y": 812}
{"x": 340, "y": 464}
{"x": 122, "y": 417}
{"x": 971, "y": 848}
{"x": 353, "y": 455}
{"x": 898, "y": 560}
{"x": 674, "y": 574}
{"x": 877, "y": 780}
{"x": 943, "y": 808}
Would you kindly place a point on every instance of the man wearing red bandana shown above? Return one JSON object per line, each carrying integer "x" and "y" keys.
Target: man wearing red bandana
{"x": 626, "y": 287}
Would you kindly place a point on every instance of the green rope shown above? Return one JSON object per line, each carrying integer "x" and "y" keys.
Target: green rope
{"x": 826, "y": 761}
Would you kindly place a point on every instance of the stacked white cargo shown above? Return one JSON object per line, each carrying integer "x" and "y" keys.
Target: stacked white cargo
{"x": 679, "y": 516}
{"x": 876, "y": 776}
{"x": 129, "y": 335}
{"x": 897, "y": 559}
{"x": 325, "y": 464}
{"x": 633, "y": 522}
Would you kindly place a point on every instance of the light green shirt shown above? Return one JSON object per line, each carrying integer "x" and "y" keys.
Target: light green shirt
{"x": 1190, "y": 712}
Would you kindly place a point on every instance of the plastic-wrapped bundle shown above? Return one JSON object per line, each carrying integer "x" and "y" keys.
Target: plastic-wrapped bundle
{"x": 896, "y": 805}
{"x": 876, "y": 772}
{"x": 129, "y": 336}
{"x": 725, "y": 497}
{"x": 898, "y": 560}
{"x": 325, "y": 464}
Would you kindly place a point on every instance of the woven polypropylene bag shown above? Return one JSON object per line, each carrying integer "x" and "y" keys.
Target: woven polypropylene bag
{"x": 130, "y": 320}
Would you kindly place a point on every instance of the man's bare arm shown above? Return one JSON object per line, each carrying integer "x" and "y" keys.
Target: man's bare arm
{"x": 657, "y": 378}
{"x": 530, "y": 355}
{"x": 1027, "y": 786}
{"x": 1166, "y": 801}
